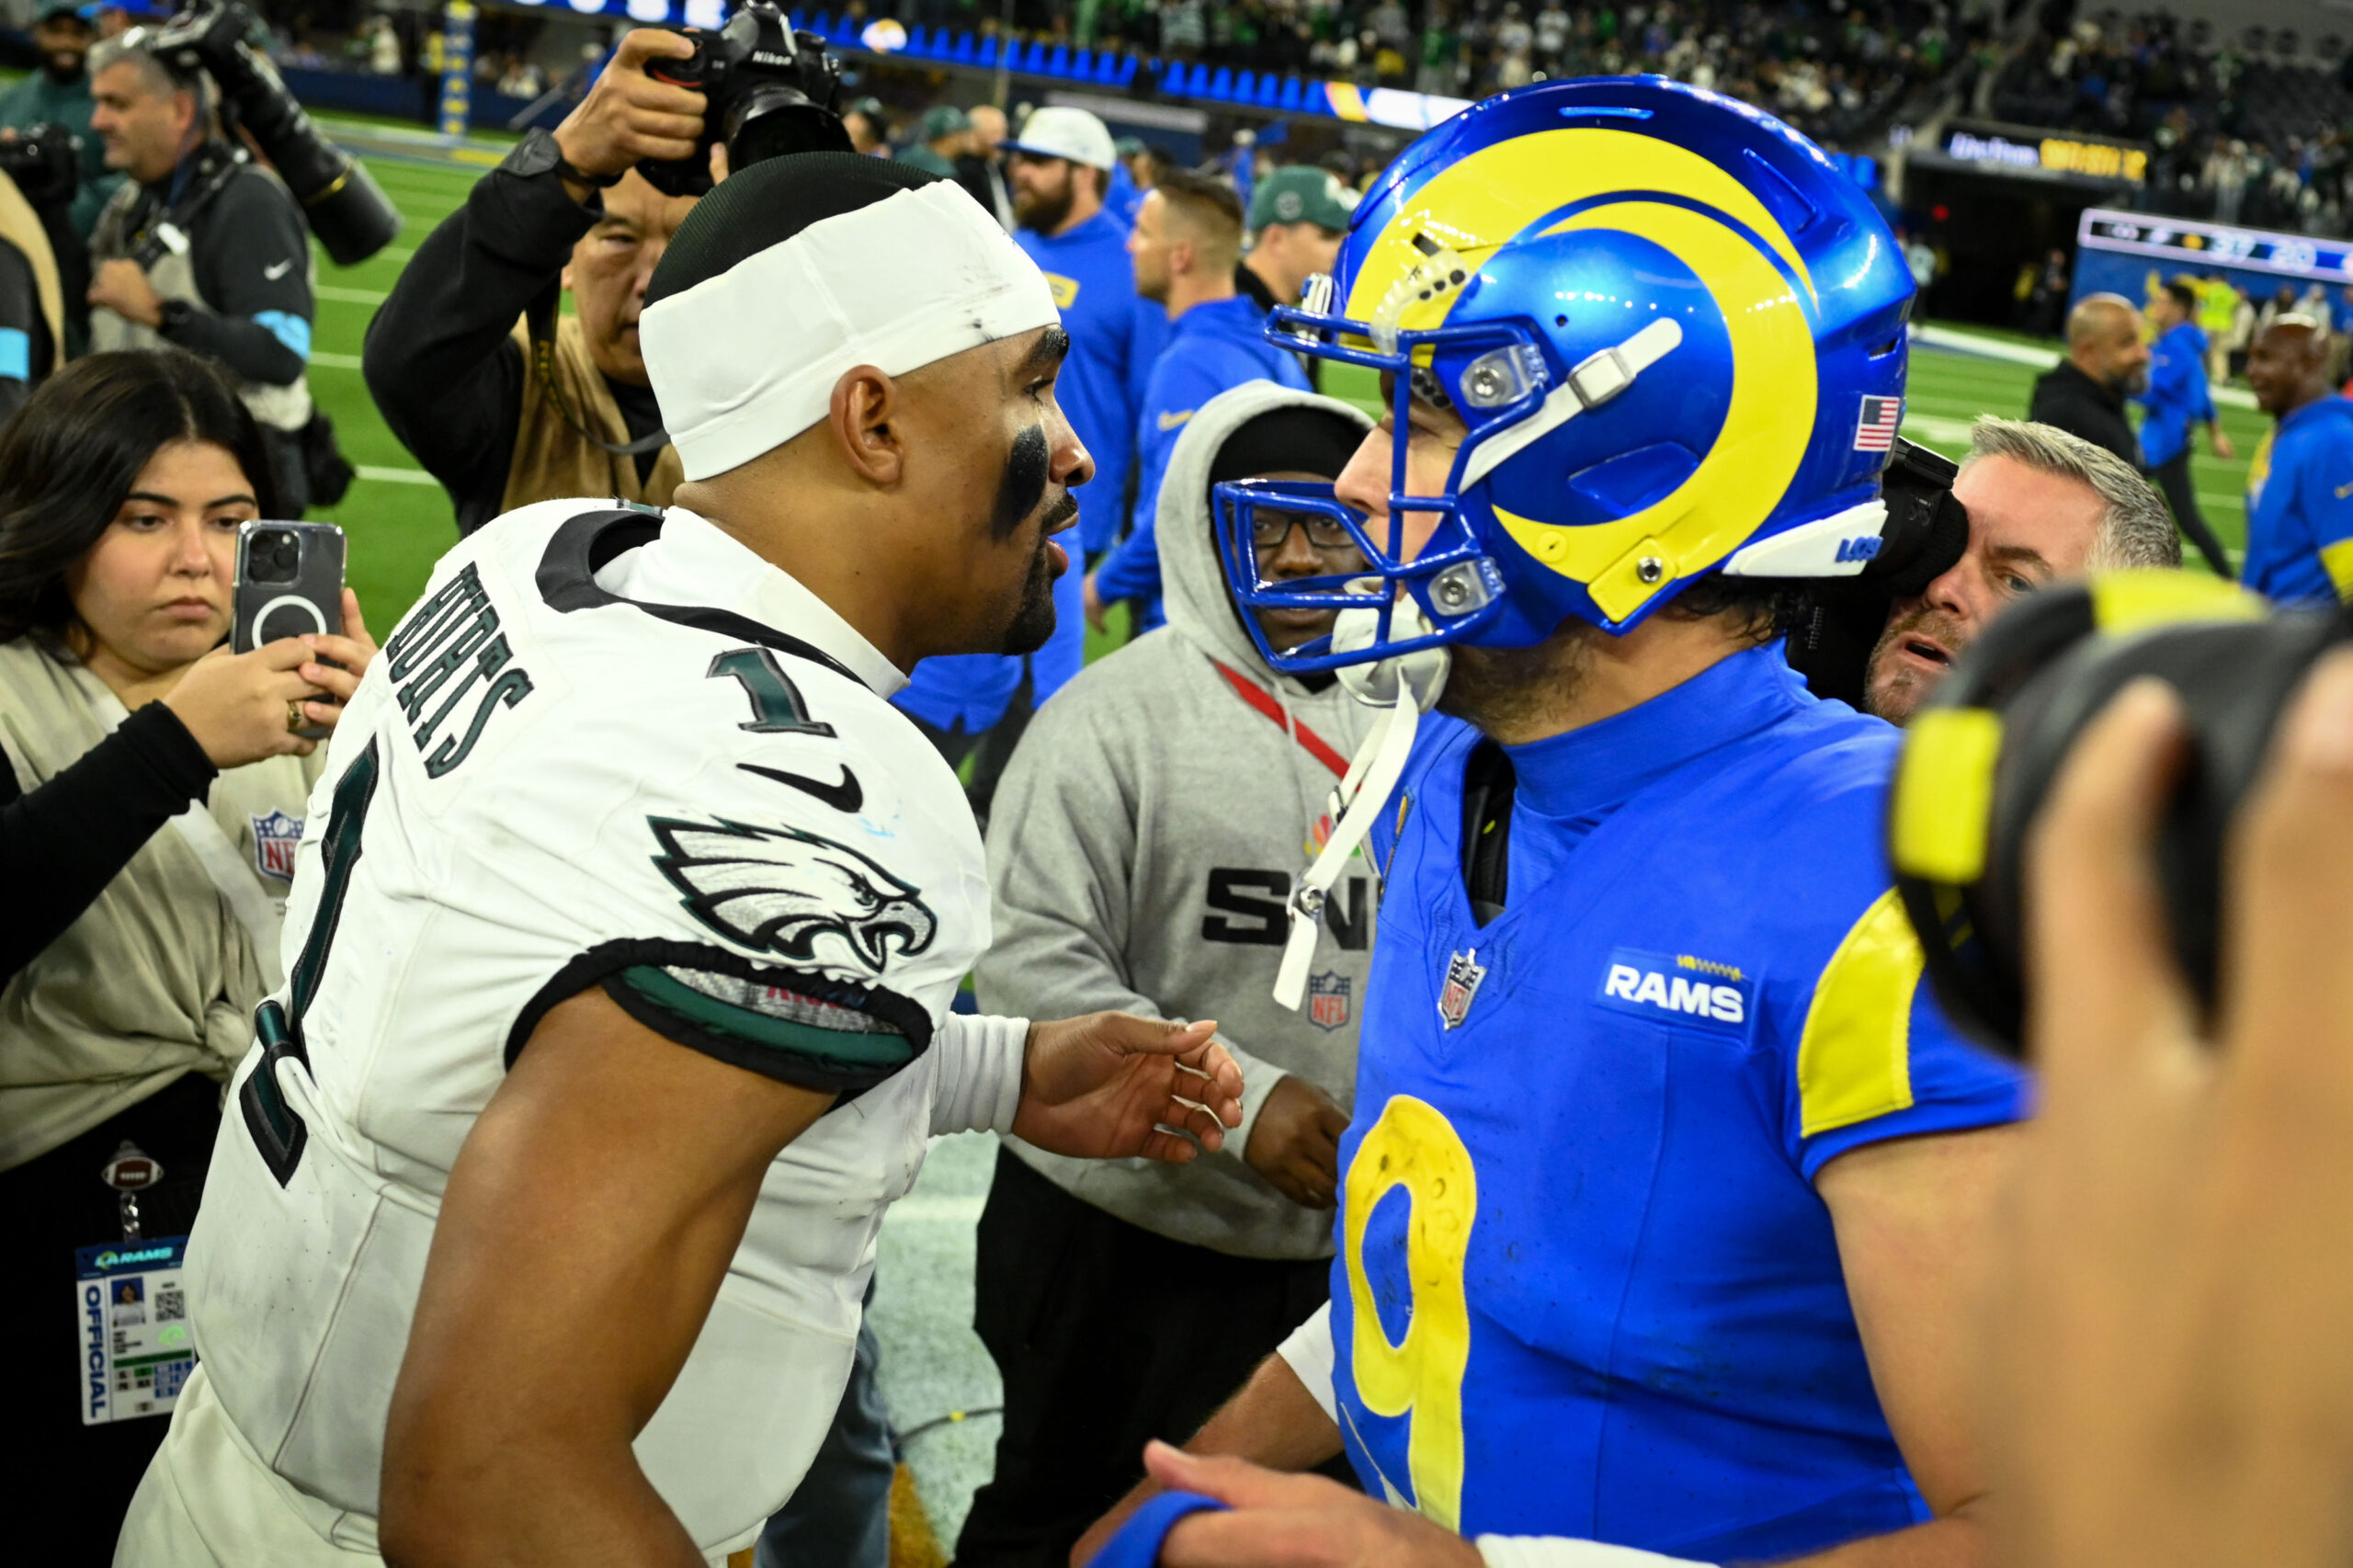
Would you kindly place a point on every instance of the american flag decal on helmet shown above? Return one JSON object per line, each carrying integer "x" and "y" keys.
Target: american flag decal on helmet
{"x": 1876, "y": 430}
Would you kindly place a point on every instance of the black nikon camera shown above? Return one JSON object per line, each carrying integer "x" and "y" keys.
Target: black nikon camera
{"x": 768, "y": 91}
{"x": 351, "y": 216}
{"x": 1926, "y": 531}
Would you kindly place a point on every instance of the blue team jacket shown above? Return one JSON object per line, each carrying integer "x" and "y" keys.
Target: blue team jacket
{"x": 2177, "y": 398}
{"x": 2300, "y": 507}
{"x": 1212, "y": 349}
{"x": 1584, "y": 1285}
{"x": 1112, "y": 338}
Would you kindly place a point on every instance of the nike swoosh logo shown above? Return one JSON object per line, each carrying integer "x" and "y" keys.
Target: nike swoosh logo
{"x": 275, "y": 273}
{"x": 2344, "y": 491}
{"x": 1170, "y": 421}
{"x": 845, "y": 796}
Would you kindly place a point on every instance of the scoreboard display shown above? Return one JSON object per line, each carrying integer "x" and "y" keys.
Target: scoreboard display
{"x": 2191, "y": 247}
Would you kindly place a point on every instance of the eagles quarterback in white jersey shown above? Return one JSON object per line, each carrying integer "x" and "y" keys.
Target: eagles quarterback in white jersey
{"x": 619, "y": 971}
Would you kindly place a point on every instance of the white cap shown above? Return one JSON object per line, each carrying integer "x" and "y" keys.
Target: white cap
{"x": 743, "y": 361}
{"x": 1056, "y": 132}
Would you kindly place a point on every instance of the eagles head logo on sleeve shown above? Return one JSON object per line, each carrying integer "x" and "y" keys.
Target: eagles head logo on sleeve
{"x": 779, "y": 889}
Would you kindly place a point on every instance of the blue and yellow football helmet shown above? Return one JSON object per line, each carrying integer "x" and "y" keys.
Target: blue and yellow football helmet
{"x": 1674, "y": 330}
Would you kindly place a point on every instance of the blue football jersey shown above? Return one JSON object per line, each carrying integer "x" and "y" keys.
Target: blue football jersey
{"x": 1584, "y": 1285}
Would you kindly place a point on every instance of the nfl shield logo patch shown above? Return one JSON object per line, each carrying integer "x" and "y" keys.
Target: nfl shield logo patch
{"x": 275, "y": 837}
{"x": 1463, "y": 973}
{"x": 1327, "y": 1000}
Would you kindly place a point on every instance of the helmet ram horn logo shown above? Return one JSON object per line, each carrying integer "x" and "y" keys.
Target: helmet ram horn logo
{"x": 779, "y": 889}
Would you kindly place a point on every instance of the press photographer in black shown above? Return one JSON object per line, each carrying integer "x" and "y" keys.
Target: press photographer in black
{"x": 201, "y": 249}
{"x": 450, "y": 365}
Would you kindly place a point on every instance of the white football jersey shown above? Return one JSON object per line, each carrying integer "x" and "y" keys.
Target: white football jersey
{"x": 605, "y": 749}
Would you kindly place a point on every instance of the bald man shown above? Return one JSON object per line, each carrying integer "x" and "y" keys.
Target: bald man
{"x": 2299, "y": 487}
{"x": 2107, "y": 362}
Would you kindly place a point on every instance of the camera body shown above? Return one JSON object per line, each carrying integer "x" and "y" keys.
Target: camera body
{"x": 1981, "y": 757}
{"x": 45, "y": 162}
{"x": 351, "y": 216}
{"x": 1925, "y": 532}
{"x": 768, "y": 91}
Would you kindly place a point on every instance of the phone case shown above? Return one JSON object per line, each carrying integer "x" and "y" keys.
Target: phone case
{"x": 273, "y": 601}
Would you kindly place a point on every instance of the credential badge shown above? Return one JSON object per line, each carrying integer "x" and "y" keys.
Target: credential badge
{"x": 275, "y": 838}
{"x": 1463, "y": 973}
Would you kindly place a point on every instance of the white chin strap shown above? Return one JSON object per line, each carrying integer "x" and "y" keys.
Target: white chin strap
{"x": 1403, "y": 689}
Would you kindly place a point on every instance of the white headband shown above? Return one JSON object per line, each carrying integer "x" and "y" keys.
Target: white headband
{"x": 743, "y": 362}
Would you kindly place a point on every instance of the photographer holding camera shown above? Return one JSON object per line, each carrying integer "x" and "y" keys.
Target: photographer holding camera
{"x": 201, "y": 249}
{"x": 445, "y": 358}
{"x": 501, "y": 400}
{"x": 58, "y": 94}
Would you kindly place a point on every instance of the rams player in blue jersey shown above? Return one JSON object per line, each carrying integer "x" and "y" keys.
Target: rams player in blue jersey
{"x": 1668, "y": 1188}
{"x": 2299, "y": 487}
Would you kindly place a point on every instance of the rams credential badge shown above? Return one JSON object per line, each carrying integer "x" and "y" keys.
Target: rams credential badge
{"x": 275, "y": 838}
{"x": 1463, "y": 973}
{"x": 1327, "y": 999}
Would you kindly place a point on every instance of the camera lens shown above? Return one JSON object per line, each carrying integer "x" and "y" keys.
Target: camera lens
{"x": 274, "y": 556}
{"x": 1980, "y": 759}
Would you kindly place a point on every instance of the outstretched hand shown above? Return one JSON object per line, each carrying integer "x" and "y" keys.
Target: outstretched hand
{"x": 1275, "y": 1521}
{"x": 1111, "y": 1085}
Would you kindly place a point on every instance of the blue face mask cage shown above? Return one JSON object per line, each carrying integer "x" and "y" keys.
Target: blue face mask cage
{"x": 1453, "y": 579}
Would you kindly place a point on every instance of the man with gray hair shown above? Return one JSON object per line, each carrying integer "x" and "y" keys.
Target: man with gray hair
{"x": 2042, "y": 506}
{"x": 201, "y": 249}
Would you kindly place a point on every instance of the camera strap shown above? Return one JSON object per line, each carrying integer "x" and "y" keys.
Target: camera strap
{"x": 539, "y": 324}
{"x": 166, "y": 227}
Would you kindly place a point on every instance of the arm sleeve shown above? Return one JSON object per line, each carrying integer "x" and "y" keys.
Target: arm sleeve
{"x": 254, "y": 265}
{"x": 73, "y": 836}
{"x": 20, "y": 321}
{"x": 979, "y": 1085}
{"x": 440, "y": 359}
{"x": 1063, "y": 838}
{"x": 1308, "y": 1353}
{"x": 1877, "y": 1059}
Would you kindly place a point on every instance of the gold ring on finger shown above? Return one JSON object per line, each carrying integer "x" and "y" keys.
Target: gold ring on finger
{"x": 295, "y": 718}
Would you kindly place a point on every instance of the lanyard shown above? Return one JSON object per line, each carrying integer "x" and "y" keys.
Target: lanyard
{"x": 1312, "y": 743}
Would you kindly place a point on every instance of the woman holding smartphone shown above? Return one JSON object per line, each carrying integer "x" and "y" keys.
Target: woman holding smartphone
{"x": 133, "y": 946}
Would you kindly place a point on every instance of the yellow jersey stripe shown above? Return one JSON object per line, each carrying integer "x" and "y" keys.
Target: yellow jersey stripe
{"x": 1855, "y": 1058}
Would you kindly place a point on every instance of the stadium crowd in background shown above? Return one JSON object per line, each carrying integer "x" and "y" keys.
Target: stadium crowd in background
{"x": 2234, "y": 138}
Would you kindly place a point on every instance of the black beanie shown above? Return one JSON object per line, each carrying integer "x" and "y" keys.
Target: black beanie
{"x": 1293, "y": 439}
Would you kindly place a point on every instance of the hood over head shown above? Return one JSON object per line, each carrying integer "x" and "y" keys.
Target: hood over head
{"x": 1195, "y": 595}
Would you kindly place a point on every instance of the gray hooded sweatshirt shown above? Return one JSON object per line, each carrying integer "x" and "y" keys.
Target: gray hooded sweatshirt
{"x": 1141, "y": 849}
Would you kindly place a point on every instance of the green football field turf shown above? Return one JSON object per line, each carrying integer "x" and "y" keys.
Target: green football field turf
{"x": 399, "y": 521}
